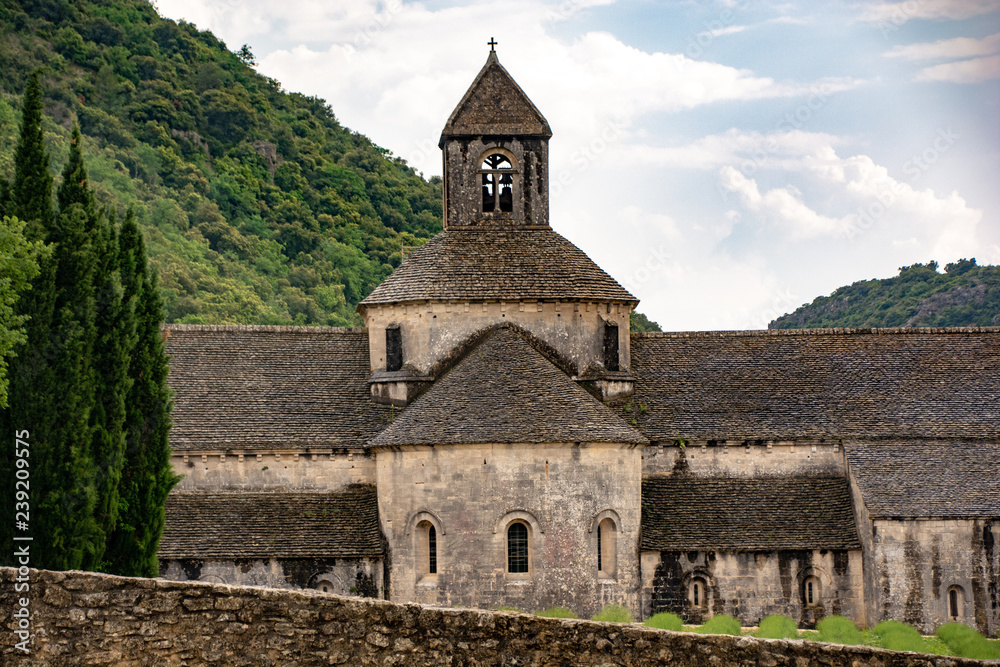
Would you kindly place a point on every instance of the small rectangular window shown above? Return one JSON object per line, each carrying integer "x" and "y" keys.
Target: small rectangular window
{"x": 611, "y": 346}
{"x": 393, "y": 349}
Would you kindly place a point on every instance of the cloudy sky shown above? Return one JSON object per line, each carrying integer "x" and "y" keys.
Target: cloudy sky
{"x": 726, "y": 161}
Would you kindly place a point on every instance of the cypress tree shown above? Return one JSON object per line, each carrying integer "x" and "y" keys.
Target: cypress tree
{"x": 113, "y": 340}
{"x": 31, "y": 194}
{"x": 147, "y": 476}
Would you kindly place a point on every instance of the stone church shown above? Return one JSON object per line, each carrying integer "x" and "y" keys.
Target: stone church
{"x": 495, "y": 436}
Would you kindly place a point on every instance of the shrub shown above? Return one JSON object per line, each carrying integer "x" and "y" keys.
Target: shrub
{"x": 966, "y": 642}
{"x": 897, "y": 636}
{"x": 557, "y": 612}
{"x": 614, "y": 613}
{"x": 720, "y": 625}
{"x": 839, "y": 630}
{"x": 509, "y": 609}
{"x": 665, "y": 620}
{"x": 776, "y": 626}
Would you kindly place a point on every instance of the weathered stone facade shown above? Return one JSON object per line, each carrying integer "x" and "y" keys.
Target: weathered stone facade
{"x": 472, "y": 493}
{"x": 83, "y": 618}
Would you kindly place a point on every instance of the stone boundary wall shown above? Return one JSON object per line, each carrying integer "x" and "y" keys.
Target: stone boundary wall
{"x": 81, "y": 618}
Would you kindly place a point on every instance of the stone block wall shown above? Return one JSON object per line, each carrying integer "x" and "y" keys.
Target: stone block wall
{"x": 273, "y": 469}
{"x": 916, "y": 563}
{"x": 753, "y": 585}
{"x": 742, "y": 458}
{"x": 340, "y": 576}
{"x": 471, "y": 493}
{"x": 79, "y": 618}
{"x": 432, "y": 330}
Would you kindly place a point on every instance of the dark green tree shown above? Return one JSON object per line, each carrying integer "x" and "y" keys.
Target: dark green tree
{"x": 31, "y": 194}
{"x": 147, "y": 476}
{"x": 114, "y": 338}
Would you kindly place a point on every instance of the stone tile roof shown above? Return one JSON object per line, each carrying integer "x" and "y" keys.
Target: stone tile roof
{"x": 495, "y": 104}
{"x": 819, "y": 383}
{"x": 498, "y": 264}
{"x": 684, "y": 512}
{"x": 281, "y": 524}
{"x": 265, "y": 387}
{"x": 929, "y": 479}
{"x": 505, "y": 391}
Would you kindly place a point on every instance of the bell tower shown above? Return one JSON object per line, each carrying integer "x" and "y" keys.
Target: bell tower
{"x": 496, "y": 156}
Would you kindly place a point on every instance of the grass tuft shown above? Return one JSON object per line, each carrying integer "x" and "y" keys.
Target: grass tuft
{"x": 613, "y": 613}
{"x": 557, "y": 612}
{"x": 720, "y": 625}
{"x": 665, "y": 620}
{"x": 776, "y": 626}
{"x": 839, "y": 630}
{"x": 967, "y": 643}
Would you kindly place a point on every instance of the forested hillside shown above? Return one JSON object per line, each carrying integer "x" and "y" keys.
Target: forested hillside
{"x": 257, "y": 206}
{"x": 920, "y": 296}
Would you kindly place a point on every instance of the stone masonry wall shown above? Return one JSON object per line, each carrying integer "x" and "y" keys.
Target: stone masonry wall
{"x": 471, "y": 494}
{"x": 273, "y": 469}
{"x": 80, "y": 618}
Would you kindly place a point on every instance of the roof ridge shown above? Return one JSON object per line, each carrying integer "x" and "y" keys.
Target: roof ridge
{"x": 261, "y": 328}
{"x": 836, "y": 331}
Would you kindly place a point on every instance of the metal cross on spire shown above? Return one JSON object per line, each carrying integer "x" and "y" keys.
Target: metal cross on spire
{"x": 492, "y": 44}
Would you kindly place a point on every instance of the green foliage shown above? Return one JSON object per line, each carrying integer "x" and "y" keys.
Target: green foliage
{"x": 964, "y": 295}
{"x": 665, "y": 620}
{"x": 31, "y": 195}
{"x": 839, "y": 630}
{"x": 776, "y": 626}
{"x": 557, "y": 612}
{"x": 720, "y": 625}
{"x": 641, "y": 324}
{"x": 18, "y": 266}
{"x": 613, "y": 613}
{"x": 897, "y": 636}
{"x": 514, "y": 609}
{"x": 234, "y": 182}
{"x": 967, "y": 643}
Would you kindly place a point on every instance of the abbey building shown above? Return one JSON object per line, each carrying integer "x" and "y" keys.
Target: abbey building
{"x": 495, "y": 436}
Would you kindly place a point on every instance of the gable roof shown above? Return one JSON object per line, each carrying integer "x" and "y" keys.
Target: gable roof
{"x": 505, "y": 391}
{"x": 683, "y": 512}
{"x": 494, "y": 104}
{"x": 498, "y": 264}
{"x": 281, "y": 524}
{"x": 936, "y": 479}
{"x": 819, "y": 383}
{"x": 268, "y": 387}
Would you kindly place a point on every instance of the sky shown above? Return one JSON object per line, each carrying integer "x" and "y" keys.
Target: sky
{"x": 725, "y": 160}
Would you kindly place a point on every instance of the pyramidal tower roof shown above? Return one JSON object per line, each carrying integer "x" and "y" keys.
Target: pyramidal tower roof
{"x": 495, "y": 105}
{"x": 505, "y": 391}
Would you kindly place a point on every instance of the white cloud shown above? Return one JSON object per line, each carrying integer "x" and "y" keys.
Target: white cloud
{"x": 959, "y": 47}
{"x": 898, "y": 13}
{"x": 975, "y": 70}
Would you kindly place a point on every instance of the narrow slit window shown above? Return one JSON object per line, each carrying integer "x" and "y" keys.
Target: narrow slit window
{"x": 811, "y": 592}
{"x": 498, "y": 184}
{"x": 611, "y": 347}
{"x": 953, "y": 602}
{"x": 517, "y": 548}
{"x": 393, "y": 349}
{"x": 432, "y": 552}
{"x": 600, "y": 564}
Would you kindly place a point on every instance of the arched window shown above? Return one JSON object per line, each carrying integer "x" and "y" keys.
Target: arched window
{"x": 427, "y": 551}
{"x": 956, "y": 602}
{"x": 498, "y": 183}
{"x": 811, "y": 592}
{"x": 517, "y": 548}
{"x": 607, "y": 548}
{"x": 698, "y": 593}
